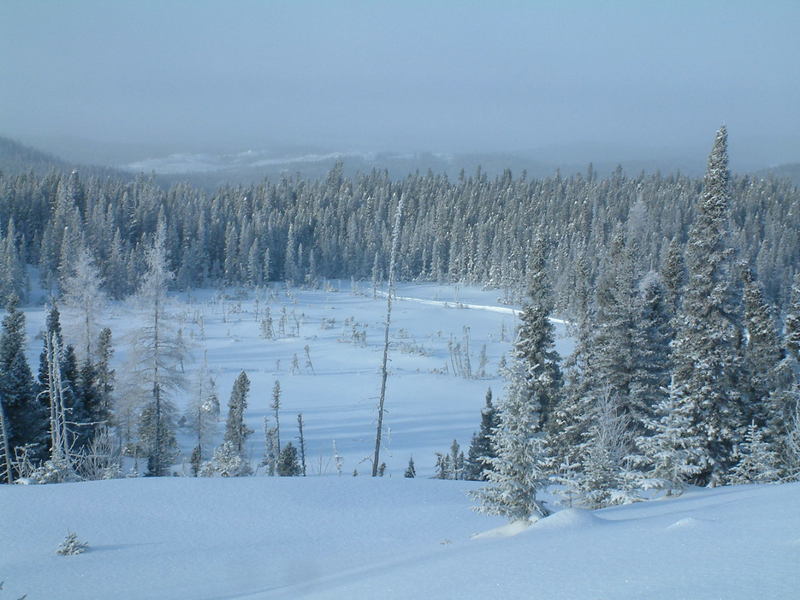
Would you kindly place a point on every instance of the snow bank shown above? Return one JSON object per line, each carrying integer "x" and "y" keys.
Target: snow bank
{"x": 344, "y": 537}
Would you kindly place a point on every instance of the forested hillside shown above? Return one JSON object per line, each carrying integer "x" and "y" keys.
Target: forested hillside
{"x": 472, "y": 229}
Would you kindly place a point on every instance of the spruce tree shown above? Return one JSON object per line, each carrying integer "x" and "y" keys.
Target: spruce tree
{"x": 769, "y": 374}
{"x": 288, "y": 462}
{"x": 481, "y": 450}
{"x": 758, "y": 462}
{"x": 411, "y": 471}
{"x": 236, "y": 432}
{"x": 534, "y": 348}
{"x": 25, "y": 418}
{"x": 154, "y": 361}
{"x": 651, "y": 337}
{"x": 707, "y": 368}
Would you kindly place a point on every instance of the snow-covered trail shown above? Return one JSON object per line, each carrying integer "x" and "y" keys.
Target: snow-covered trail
{"x": 463, "y": 305}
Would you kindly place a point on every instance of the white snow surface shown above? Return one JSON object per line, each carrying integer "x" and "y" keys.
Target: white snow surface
{"x": 427, "y": 406}
{"x": 357, "y": 537}
{"x": 329, "y": 536}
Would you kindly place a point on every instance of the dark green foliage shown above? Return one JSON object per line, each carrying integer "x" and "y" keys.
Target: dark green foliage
{"x": 157, "y": 432}
{"x": 236, "y": 431}
{"x": 288, "y": 462}
{"x": 481, "y": 450}
{"x": 708, "y": 373}
{"x": 196, "y": 460}
{"x": 26, "y": 418}
{"x": 411, "y": 471}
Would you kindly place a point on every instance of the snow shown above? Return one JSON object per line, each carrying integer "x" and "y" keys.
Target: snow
{"x": 427, "y": 406}
{"x": 346, "y": 537}
{"x": 329, "y": 536}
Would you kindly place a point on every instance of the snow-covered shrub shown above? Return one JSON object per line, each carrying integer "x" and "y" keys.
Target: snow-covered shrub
{"x": 72, "y": 545}
{"x": 227, "y": 462}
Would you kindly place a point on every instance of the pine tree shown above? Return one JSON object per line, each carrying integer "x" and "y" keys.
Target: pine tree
{"x": 202, "y": 412}
{"x": 769, "y": 373}
{"x": 570, "y": 422}
{"x": 758, "y": 462}
{"x": 481, "y": 450}
{"x": 707, "y": 369}
{"x": 86, "y": 301}
{"x": 227, "y": 462}
{"x": 288, "y": 463}
{"x": 155, "y": 358}
{"x": 792, "y": 321}
{"x": 236, "y": 432}
{"x": 411, "y": 471}
{"x": 276, "y": 407}
{"x": 672, "y": 450}
{"x": 673, "y": 274}
{"x": 302, "y": 443}
{"x": 26, "y": 419}
{"x": 519, "y": 471}
{"x": 603, "y": 478}
{"x": 612, "y": 357}
{"x": 105, "y": 375}
{"x": 650, "y": 373}
{"x": 534, "y": 348}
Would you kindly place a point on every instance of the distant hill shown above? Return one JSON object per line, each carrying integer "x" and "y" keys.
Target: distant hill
{"x": 789, "y": 171}
{"x": 16, "y": 158}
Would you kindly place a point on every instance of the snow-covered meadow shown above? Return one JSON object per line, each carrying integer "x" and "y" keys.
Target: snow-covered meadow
{"x": 428, "y": 405}
{"x": 330, "y": 536}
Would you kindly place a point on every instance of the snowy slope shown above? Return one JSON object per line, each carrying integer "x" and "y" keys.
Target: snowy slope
{"x": 345, "y": 537}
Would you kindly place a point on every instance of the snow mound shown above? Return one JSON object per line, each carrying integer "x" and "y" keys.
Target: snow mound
{"x": 688, "y": 523}
{"x": 507, "y": 530}
{"x": 570, "y": 518}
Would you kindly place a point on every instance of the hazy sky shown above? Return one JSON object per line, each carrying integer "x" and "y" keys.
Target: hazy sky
{"x": 406, "y": 75}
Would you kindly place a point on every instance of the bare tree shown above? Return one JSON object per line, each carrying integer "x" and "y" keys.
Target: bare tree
{"x": 384, "y": 369}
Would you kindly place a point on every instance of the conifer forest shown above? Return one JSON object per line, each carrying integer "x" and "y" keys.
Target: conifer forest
{"x": 355, "y": 300}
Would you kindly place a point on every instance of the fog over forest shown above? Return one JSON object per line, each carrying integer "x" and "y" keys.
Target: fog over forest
{"x": 562, "y": 85}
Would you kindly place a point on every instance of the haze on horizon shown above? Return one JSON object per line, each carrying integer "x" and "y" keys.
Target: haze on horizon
{"x": 407, "y": 76}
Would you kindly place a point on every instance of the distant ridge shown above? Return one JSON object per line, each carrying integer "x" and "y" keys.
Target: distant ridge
{"x": 17, "y": 158}
{"x": 789, "y": 171}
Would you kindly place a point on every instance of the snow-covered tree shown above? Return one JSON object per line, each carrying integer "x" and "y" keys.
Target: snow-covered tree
{"x": 481, "y": 450}
{"x": 650, "y": 372}
{"x": 154, "y": 362}
{"x": 85, "y": 301}
{"x": 671, "y": 451}
{"x": 288, "y": 462}
{"x": 25, "y": 418}
{"x": 411, "y": 470}
{"x": 769, "y": 373}
{"x": 758, "y": 462}
{"x": 520, "y": 470}
{"x": 227, "y": 462}
{"x": 707, "y": 368}
{"x": 603, "y": 479}
{"x": 236, "y": 432}
{"x": 202, "y": 412}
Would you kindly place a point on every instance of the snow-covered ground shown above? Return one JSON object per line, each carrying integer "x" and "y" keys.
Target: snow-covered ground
{"x": 346, "y": 537}
{"x": 427, "y": 405}
{"x": 338, "y": 537}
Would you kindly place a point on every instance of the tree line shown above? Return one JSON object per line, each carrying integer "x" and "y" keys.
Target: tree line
{"x": 678, "y": 377}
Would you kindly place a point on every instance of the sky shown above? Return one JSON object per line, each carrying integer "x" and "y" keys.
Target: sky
{"x": 448, "y": 76}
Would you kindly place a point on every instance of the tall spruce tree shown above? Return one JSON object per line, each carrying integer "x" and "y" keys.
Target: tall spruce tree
{"x": 768, "y": 372}
{"x": 236, "y": 432}
{"x": 481, "y": 450}
{"x": 155, "y": 358}
{"x": 520, "y": 469}
{"x": 707, "y": 366}
{"x": 25, "y": 418}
